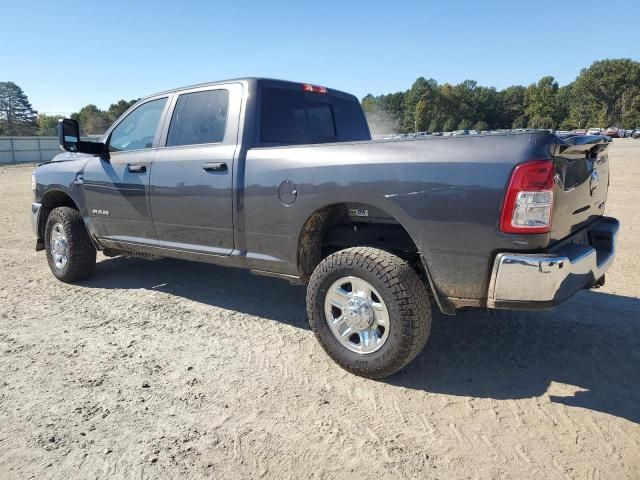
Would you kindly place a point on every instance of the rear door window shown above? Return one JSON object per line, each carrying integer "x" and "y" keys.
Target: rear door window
{"x": 199, "y": 117}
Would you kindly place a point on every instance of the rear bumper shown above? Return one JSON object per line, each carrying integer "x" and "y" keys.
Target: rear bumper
{"x": 542, "y": 280}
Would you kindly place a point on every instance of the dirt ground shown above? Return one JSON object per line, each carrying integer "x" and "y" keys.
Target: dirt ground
{"x": 178, "y": 370}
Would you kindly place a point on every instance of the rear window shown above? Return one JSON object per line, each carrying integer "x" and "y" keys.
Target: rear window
{"x": 290, "y": 117}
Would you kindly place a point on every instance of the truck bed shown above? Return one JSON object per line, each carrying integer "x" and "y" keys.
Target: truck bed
{"x": 447, "y": 192}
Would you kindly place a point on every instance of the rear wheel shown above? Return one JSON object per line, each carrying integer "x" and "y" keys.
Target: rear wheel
{"x": 70, "y": 253}
{"x": 369, "y": 310}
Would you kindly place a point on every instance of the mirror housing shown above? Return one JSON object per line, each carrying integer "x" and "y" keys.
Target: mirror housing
{"x": 69, "y": 139}
{"x": 68, "y": 134}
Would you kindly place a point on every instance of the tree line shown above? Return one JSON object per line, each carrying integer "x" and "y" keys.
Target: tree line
{"x": 605, "y": 94}
{"x": 18, "y": 117}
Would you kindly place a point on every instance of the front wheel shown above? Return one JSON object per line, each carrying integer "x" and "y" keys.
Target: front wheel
{"x": 369, "y": 310}
{"x": 70, "y": 253}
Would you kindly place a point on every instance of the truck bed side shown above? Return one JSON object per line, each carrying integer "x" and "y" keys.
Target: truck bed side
{"x": 446, "y": 192}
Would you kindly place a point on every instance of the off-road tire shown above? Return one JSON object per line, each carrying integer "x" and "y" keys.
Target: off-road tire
{"x": 82, "y": 254}
{"x": 404, "y": 293}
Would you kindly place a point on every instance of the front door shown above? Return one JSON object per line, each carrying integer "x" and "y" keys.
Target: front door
{"x": 117, "y": 189}
{"x": 191, "y": 184}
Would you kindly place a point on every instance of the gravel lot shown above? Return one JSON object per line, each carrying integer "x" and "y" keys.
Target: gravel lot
{"x": 179, "y": 370}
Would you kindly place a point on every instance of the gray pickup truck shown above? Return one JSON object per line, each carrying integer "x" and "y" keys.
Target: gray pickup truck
{"x": 283, "y": 179}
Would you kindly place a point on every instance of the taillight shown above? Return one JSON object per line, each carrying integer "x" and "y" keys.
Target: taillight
{"x": 313, "y": 88}
{"x": 528, "y": 203}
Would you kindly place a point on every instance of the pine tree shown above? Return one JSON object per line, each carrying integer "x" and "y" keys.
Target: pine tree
{"x": 17, "y": 116}
{"x": 420, "y": 116}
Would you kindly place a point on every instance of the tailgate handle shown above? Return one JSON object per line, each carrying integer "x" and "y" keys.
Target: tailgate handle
{"x": 137, "y": 168}
{"x": 215, "y": 167}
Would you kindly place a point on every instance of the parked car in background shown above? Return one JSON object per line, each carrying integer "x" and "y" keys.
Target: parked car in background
{"x": 579, "y": 131}
{"x": 636, "y": 133}
{"x": 460, "y": 132}
{"x": 594, "y": 131}
{"x": 612, "y": 132}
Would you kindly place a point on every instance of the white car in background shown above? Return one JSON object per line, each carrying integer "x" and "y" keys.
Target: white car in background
{"x": 594, "y": 131}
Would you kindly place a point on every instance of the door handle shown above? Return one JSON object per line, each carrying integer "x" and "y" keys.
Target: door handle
{"x": 137, "y": 168}
{"x": 215, "y": 167}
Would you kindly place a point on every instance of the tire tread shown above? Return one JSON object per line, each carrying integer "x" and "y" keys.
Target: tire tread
{"x": 405, "y": 286}
{"x": 82, "y": 253}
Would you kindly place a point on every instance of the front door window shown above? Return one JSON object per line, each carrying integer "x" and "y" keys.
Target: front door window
{"x": 138, "y": 129}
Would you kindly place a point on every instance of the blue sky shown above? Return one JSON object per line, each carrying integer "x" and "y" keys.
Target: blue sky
{"x": 68, "y": 54}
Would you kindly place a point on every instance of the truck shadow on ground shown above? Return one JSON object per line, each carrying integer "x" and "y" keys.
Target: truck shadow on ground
{"x": 228, "y": 288}
{"x": 585, "y": 353}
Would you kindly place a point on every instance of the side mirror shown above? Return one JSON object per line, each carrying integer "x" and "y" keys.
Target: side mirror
{"x": 69, "y": 138}
{"x": 68, "y": 134}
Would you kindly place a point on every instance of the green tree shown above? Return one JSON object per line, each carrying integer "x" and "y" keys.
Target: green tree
{"x": 607, "y": 93}
{"x": 17, "y": 116}
{"x": 481, "y": 126}
{"x": 381, "y": 113}
{"x": 487, "y": 106}
{"x": 465, "y": 125}
{"x": 512, "y": 108}
{"x": 47, "y": 125}
{"x": 369, "y": 103}
{"x": 421, "y": 89}
{"x": 392, "y": 104}
{"x": 421, "y": 119}
{"x": 93, "y": 121}
{"x": 567, "y": 124}
{"x": 541, "y": 98}
{"x": 539, "y": 121}
{"x": 118, "y": 108}
{"x": 563, "y": 104}
{"x": 447, "y": 107}
{"x": 520, "y": 122}
{"x": 449, "y": 125}
{"x": 434, "y": 125}
{"x": 464, "y": 103}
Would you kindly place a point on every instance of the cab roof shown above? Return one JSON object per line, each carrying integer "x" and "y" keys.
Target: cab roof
{"x": 245, "y": 80}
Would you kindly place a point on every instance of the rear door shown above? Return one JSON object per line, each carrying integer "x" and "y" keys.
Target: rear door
{"x": 191, "y": 184}
{"x": 117, "y": 189}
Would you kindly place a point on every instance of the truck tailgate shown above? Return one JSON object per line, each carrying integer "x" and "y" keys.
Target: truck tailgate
{"x": 581, "y": 183}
